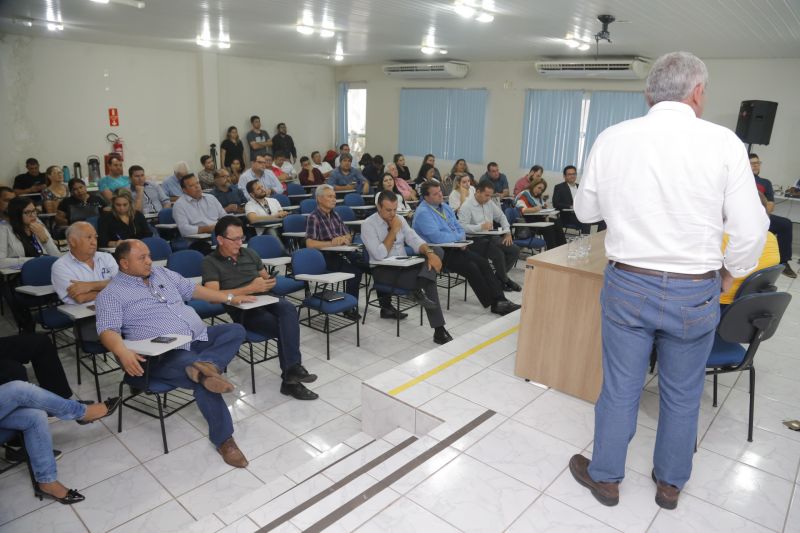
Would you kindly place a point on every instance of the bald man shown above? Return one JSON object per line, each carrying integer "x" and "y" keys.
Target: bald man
{"x": 83, "y": 272}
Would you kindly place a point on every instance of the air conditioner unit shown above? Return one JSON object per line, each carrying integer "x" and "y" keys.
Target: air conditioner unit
{"x": 430, "y": 71}
{"x": 635, "y": 68}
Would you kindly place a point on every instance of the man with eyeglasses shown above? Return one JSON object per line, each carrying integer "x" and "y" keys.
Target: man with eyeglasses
{"x": 145, "y": 301}
{"x": 259, "y": 171}
{"x": 780, "y": 226}
{"x": 148, "y": 197}
{"x": 236, "y": 270}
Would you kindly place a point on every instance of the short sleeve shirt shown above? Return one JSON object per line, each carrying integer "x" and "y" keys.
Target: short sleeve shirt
{"x": 322, "y": 227}
{"x": 26, "y": 181}
{"x": 259, "y": 137}
{"x": 232, "y": 274}
{"x": 107, "y": 183}
{"x": 67, "y": 268}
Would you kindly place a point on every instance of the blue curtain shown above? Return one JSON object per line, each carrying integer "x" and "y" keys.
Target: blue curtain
{"x": 551, "y": 129}
{"x": 608, "y": 108}
{"x": 449, "y": 123}
{"x": 341, "y": 118}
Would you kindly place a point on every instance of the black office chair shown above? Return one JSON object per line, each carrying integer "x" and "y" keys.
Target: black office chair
{"x": 760, "y": 281}
{"x": 750, "y": 320}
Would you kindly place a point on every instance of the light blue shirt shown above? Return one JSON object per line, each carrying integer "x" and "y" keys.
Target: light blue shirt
{"x": 190, "y": 214}
{"x": 172, "y": 186}
{"x": 154, "y": 198}
{"x": 107, "y": 183}
{"x": 339, "y": 178}
{"x": 437, "y": 224}
{"x": 268, "y": 179}
{"x": 68, "y": 269}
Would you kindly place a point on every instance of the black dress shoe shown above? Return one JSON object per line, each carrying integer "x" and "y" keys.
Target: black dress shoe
{"x": 72, "y": 496}
{"x": 441, "y": 336}
{"x": 503, "y": 308}
{"x": 298, "y": 374}
{"x": 111, "y": 405}
{"x": 298, "y": 391}
{"x": 392, "y": 313}
{"x": 352, "y": 314}
{"x": 510, "y": 285}
{"x": 419, "y": 296}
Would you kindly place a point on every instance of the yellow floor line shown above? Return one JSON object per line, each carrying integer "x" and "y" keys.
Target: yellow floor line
{"x": 432, "y": 372}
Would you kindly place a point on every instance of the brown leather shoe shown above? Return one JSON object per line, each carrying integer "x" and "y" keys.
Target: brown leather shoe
{"x": 231, "y": 454}
{"x": 605, "y": 493}
{"x": 209, "y": 377}
{"x": 666, "y": 494}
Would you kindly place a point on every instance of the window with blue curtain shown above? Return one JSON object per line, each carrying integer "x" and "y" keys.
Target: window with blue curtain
{"x": 449, "y": 123}
{"x": 608, "y": 108}
{"x": 551, "y": 129}
{"x": 341, "y": 116}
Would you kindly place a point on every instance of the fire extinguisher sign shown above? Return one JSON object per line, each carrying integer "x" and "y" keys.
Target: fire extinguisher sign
{"x": 113, "y": 116}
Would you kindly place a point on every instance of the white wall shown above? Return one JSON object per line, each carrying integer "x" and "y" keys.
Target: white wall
{"x": 730, "y": 82}
{"x": 54, "y": 102}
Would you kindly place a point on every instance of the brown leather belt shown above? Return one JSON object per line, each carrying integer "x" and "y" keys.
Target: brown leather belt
{"x": 648, "y": 272}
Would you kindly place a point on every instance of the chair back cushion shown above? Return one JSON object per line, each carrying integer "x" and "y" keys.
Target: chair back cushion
{"x": 266, "y": 246}
{"x": 187, "y": 263}
{"x": 283, "y": 199}
{"x": 294, "y": 223}
{"x": 353, "y": 198}
{"x": 159, "y": 248}
{"x": 308, "y": 205}
{"x": 37, "y": 270}
{"x": 760, "y": 281}
{"x": 741, "y": 320}
{"x": 345, "y": 213}
{"x": 308, "y": 261}
{"x": 165, "y": 216}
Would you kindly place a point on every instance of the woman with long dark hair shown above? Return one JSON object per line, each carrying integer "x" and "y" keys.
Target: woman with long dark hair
{"x": 123, "y": 222}
{"x": 231, "y": 148}
{"x": 25, "y": 235}
{"x": 402, "y": 170}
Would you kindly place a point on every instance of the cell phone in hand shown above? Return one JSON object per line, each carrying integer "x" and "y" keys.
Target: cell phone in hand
{"x": 163, "y": 340}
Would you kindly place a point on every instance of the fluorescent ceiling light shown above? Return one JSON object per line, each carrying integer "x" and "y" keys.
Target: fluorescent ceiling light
{"x": 427, "y": 50}
{"x": 305, "y": 30}
{"x": 52, "y": 26}
{"x": 338, "y": 57}
{"x": 203, "y": 41}
{"x": 572, "y": 43}
{"x": 326, "y": 33}
{"x": 28, "y": 23}
{"x": 584, "y": 47}
{"x": 100, "y": 1}
{"x": 223, "y": 45}
{"x": 484, "y": 17}
{"x": 464, "y": 10}
{"x": 443, "y": 52}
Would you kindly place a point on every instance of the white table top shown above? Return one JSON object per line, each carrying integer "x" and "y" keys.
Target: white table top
{"x": 36, "y": 290}
{"x": 78, "y": 311}
{"x": 395, "y": 262}
{"x": 108, "y": 249}
{"x": 150, "y": 215}
{"x": 277, "y": 261}
{"x": 11, "y": 266}
{"x": 489, "y": 232}
{"x": 261, "y": 300}
{"x": 160, "y": 262}
{"x": 532, "y": 224}
{"x": 298, "y": 234}
{"x": 199, "y": 236}
{"x": 353, "y": 222}
{"x": 331, "y": 277}
{"x": 290, "y": 207}
{"x": 45, "y": 215}
{"x": 362, "y": 207}
{"x": 342, "y": 248}
{"x": 463, "y": 244}
{"x": 197, "y": 280}
{"x": 267, "y": 224}
{"x": 307, "y": 195}
{"x": 167, "y": 226}
{"x": 147, "y": 347}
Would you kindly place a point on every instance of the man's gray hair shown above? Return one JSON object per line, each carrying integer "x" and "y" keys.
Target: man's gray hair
{"x": 386, "y": 169}
{"x": 321, "y": 190}
{"x": 674, "y": 76}
{"x": 344, "y": 156}
{"x": 75, "y": 228}
{"x": 181, "y": 166}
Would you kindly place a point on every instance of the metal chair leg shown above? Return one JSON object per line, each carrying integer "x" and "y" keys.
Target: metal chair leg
{"x": 328, "y": 337}
{"x": 161, "y": 419}
{"x": 397, "y": 316}
{"x": 752, "y": 404}
{"x": 252, "y": 368}
{"x": 119, "y": 409}
{"x": 714, "y": 403}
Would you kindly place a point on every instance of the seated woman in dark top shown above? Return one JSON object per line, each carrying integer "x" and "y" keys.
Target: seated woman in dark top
{"x": 123, "y": 222}
{"x": 25, "y": 235}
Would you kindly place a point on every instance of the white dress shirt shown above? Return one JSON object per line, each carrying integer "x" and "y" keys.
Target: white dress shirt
{"x": 668, "y": 185}
{"x": 323, "y": 167}
{"x": 263, "y": 208}
{"x": 472, "y": 214}
{"x": 374, "y": 230}
{"x": 190, "y": 214}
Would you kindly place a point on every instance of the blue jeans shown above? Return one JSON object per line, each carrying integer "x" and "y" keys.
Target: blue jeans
{"x": 679, "y": 316}
{"x": 276, "y": 321}
{"x": 222, "y": 345}
{"x": 24, "y": 407}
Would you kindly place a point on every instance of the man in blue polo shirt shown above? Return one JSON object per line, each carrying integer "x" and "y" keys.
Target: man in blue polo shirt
{"x": 780, "y": 226}
{"x": 498, "y": 180}
{"x": 347, "y": 178}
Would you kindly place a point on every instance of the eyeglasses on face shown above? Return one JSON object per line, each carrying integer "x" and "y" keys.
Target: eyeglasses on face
{"x": 234, "y": 239}
{"x": 29, "y": 212}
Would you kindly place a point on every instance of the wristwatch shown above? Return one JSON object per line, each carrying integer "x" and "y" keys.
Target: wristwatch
{"x": 429, "y": 251}
{"x": 230, "y": 298}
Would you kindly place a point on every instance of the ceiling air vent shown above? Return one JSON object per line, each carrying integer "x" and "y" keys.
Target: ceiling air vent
{"x": 431, "y": 71}
{"x": 635, "y": 68}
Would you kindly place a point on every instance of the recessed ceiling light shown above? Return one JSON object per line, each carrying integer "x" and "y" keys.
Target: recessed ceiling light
{"x": 584, "y": 47}
{"x": 53, "y": 26}
{"x": 572, "y": 43}
{"x": 338, "y": 57}
{"x": 100, "y": 1}
{"x": 326, "y": 33}
{"x": 202, "y": 41}
{"x": 305, "y": 30}
{"x": 427, "y": 50}
{"x": 484, "y": 17}
{"x": 464, "y": 10}
{"x": 443, "y": 52}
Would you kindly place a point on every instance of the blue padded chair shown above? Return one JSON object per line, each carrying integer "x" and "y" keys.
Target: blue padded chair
{"x": 393, "y": 292}
{"x": 345, "y": 213}
{"x": 270, "y": 352}
{"x": 269, "y": 247}
{"x": 294, "y": 224}
{"x": 353, "y": 198}
{"x": 93, "y": 221}
{"x": 750, "y": 320}
{"x": 328, "y": 316}
{"x": 36, "y": 272}
{"x": 531, "y": 243}
{"x": 282, "y": 199}
{"x": 295, "y": 188}
{"x": 172, "y": 235}
{"x": 188, "y": 263}
{"x": 307, "y": 206}
{"x": 159, "y": 248}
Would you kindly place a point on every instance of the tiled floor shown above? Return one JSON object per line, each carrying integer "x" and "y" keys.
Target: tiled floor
{"x": 507, "y": 474}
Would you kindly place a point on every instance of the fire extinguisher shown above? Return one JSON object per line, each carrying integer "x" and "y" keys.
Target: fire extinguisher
{"x": 116, "y": 145}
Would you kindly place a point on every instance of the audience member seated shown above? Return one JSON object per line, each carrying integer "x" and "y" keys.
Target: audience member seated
{"x": 498, "y": 180}
{"x": 365, "y": 161}
{"x": 6, "y": 195}
{"x": 80, "y": 274}
{"x": 343, "y": 149}
{"x": 172, "y": 184}
{"x": 436, "y": 223}
{"x": 282, "y": 162}
{"x": 430, "y": 159}
{"x": 229, "y": 196}
{"x": 145, "y": 301}
{"x": 123, "y": 222}
{"x": 386, "y": 235}
{"x": 324, "y": 228}
{"x": 115, "y": 179}
{"x": 231, "y": 148}
{"x": 238, "y": 271}
{"x": 388, "y": 184}
{"x": 25, "y": 235}
{"x": 261, "y": 172}
{"x": 196, "y": 212}
{"x": 480, "y": 213}
{"x": 427, "y": 174}
{"x": 206, "y": 174}
{"x": 459, "y": 169}
{"x": 324, "y": 168}
{"x": 374, "y": 171}
{"x": 405, "y": 188}
{"x": 282, "y": 143}
{"x": 148, "y": 197}
{"x": 402, "y": 170}
{"x": 311, "y": 173}
{"x": 79, "y": 205}
{"x": 56, "y": 189}
{"x": 770, "y": 256}
{"x": 235, "y": 170}
{"x": 258, "y": 139}
{"x": 31, "y": 181}
{"x": 263, "y": 209}
{"x": 563, "y": 196}
{"x": 37, "y": 349}
{"x": 462, "y": 191}
{"x": 25, "y": 407}
{"x": 780, "y": 226}
{"x": 346, "y": 177}
{"x": 530, "y": 202}
{"x": 524, "y": 182}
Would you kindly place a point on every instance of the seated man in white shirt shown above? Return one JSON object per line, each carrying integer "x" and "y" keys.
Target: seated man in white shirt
{"x": 195, "y": 212}
{"x": 261, "y": 170}
{"x": 286, "y": 167}
{"x": 263, "y": 209}
{"x": 323, "y": 166}
{"x": 386, "y": 235}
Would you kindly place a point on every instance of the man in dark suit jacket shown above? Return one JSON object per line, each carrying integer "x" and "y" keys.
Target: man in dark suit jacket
{"x": 563, "y": 195}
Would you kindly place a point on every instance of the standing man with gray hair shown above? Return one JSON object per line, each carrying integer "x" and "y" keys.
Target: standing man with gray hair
{"x": 668, "y": 185}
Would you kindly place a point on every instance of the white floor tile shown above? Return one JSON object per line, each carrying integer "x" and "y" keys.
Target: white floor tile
{"x": 558, "y": 414}
{"x": 695, "y": 515}
{"x": 405, "y": 516}
{"x": 343, "y": 393}
{"x": 168, "y": 518}
{"x": 219, "y": 492}
{"x": 457, "y": 412}
{"x": 548, "y": 515}
{"x": 54, "y": 518}
{"x": 282, "y": 459}
{"x": 330, "y": 434}
{"x": 259, "y": 434}
{"x": 188, "y": 467}
{"x": 302, "y": 416}
{"x": 107, "y": 458}
{"x": 496, "y": 391}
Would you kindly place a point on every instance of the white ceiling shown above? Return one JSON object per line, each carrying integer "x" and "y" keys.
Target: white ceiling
{"x": 378, "y": 31}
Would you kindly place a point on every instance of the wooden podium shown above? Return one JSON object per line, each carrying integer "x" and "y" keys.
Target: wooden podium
{"x": 559, "y": 336}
